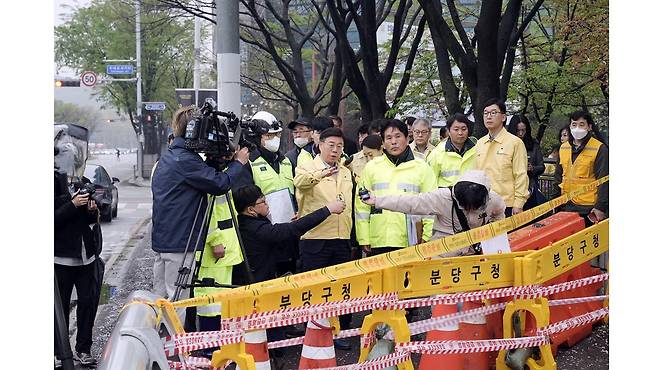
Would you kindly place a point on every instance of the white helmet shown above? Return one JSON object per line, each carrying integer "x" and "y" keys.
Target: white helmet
{"x": 267, "y": 117}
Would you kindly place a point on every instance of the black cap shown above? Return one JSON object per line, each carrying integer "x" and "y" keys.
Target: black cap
{"x": 300, "y": 121}
{"x": 322, "y": 123}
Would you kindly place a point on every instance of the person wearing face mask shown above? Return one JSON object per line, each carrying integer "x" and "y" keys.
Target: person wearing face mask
{"x": 583, "y": 159}
{"x": 272, "y": 172}
{"x": 302, "y": 132}
{"x": 471, "y": 196}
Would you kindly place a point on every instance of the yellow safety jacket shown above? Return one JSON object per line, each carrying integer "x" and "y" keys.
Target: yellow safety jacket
{"x": 315, "y": 191}
{"x": 580, "y": 172}
{"x": 268, "y": 180}
{"x": 448, "y": 166}
{"x": 304, "y": 156}
{"x": 221, "y": 230}
{"x": 383, "y": 228}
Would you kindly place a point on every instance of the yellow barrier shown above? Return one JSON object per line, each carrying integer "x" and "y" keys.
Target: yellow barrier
{"x": 366, "y": 271}
{"x": 409, "y": 273}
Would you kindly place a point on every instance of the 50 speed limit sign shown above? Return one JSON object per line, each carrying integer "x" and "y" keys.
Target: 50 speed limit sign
{"x": 88, "y": 78}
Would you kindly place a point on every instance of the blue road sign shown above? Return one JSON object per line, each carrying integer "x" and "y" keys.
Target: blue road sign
{"x": 154, "y": 106}
{"x": 119, "y": 69}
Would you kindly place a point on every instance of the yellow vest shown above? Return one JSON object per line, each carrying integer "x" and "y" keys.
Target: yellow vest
{"x": 303, "y": 157}
{"x": 580, "y": 172}
{"x": 449, "y": 166}
{"x": 220, "y": 231}
{"x": 383, "y": 228}
{"x": 314, "y": 192}
{"x": 268, "y": 180}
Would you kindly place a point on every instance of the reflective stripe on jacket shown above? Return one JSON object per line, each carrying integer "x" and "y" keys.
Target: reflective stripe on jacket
{"x": 580, "y": 172}
{"x": 383, "y": 228}
{"x": 221, "y": 230}
{"x": 449, "y": 165}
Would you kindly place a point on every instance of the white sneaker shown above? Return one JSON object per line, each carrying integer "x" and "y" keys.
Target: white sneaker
{"x": 58, "y": 363}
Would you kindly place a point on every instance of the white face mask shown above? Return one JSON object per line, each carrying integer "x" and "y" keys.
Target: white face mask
{"x": 578, "y": 133}
{"x": 273, "y": 144}
{"x": 300, "y": 141}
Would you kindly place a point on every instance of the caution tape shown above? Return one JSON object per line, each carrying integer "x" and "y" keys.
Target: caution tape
{"x": 472, "y": 346}
{"x": 188, "y": 342}
{"x": 290, "y": 316}
{"x": 415, "y": 253}
{"x": 566, "y": 301}
{"x": 573, "y": 322}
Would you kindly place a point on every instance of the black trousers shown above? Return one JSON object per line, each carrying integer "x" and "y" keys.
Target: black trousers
{"x": 319, "y": 253}
{"x": 88, "y": 295}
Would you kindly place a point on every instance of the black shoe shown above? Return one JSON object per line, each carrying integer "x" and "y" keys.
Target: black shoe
{"x": 342, "y": 344}
{"x": 293, "y": 332}
{"x": 84, "y": 359}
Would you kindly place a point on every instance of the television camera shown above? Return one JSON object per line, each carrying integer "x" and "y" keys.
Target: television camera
{"x": 218, "y": 134}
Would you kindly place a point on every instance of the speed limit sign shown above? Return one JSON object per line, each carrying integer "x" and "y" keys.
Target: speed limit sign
{"x": 88, "y": 78}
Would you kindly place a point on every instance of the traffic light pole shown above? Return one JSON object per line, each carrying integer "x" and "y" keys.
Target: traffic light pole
{"x": 138, "y": 51}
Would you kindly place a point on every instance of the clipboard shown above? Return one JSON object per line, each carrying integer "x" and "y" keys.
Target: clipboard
{"x": 281, "y": 207}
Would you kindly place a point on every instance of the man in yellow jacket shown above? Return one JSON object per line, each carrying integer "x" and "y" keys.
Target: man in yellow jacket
{"x": 503, "y": 157}
{"x": 455, "y": 155}
{"x": 319, "y": 182}
{"x": 395, "y": 172}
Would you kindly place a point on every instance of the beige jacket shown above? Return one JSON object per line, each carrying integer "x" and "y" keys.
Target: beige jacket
{"x": 438, "y": 203}
{"x": 314, "y": 191}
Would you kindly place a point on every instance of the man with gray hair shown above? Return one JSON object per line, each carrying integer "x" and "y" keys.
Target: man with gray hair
{"x": 421, "y": 131}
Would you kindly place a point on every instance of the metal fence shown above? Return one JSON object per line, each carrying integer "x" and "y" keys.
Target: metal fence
{"x": 546, "y": 180}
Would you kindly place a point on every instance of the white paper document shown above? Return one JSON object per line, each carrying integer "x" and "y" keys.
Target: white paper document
{"x": 281, "y": 209}
{"x": 496, "y": 245}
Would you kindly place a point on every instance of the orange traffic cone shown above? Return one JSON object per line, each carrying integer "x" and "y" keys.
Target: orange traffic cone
{"x": 475, "y": 329}
{"x": 318, "y": 349}
{"x": 445, "y": 361}
{"x": 256, "y": 345}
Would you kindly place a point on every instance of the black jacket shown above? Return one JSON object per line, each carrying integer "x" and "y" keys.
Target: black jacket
{"x": 260, "y": 238}
{"x": 71, "y": 223}
{"x": 180, "y": 181}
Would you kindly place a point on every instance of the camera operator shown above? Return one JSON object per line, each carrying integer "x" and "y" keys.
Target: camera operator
{"x": 74, "y": 260}
{"x": 179, "y": 186}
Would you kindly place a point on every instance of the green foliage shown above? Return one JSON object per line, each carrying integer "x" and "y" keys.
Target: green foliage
{"x": 72, "y": 113}
{"x": 106, "y": 30}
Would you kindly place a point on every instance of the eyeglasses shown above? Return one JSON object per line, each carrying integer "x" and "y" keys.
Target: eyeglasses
{"x": 492, "y": 113}
{"x": 260, "y": 201}
{"x": 421, "y": 132}
{"x": 333, "y": 146}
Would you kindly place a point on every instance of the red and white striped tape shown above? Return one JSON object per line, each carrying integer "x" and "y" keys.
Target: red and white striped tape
{"x": 290, "y": 316}
{"x": 573, "y": 322}
{"x": 566, "y": 301}
{"x": 472, "y": 346}
{"x": 521, "y": 292}
{"x": 188, "y": 342}
{"x": 195, "y": 363}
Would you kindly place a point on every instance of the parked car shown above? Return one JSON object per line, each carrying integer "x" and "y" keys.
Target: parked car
{"x": 107, "y": 194}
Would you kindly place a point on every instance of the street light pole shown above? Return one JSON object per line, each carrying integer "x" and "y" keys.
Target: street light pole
{"x": 140, "y": 135}
{"x": 197, "y": 59}
{"x": 228, "y": 56}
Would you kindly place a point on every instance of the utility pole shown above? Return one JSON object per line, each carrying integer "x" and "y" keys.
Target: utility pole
{"x": 228, "y": 56}
{"x": 197, "y": 59}
{"x": 140, "y": 136}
